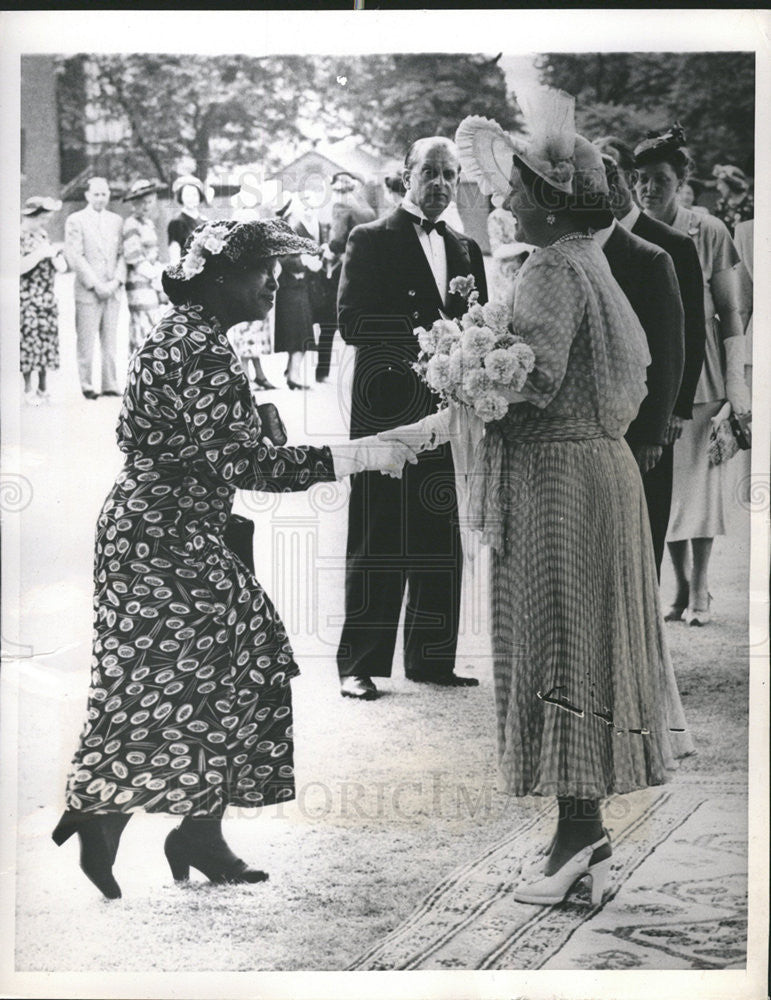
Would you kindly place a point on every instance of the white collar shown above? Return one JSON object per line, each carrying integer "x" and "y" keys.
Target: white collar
{"x": 630, "y": 218}
{"x": 417, "y": 212}
{"x": 603, "y": 235}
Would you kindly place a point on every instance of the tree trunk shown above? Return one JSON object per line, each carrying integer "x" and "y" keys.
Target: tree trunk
{"x": 201, "y": 152}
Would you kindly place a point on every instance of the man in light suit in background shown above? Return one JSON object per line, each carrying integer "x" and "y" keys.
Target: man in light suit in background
{"x": 94, "y": 249}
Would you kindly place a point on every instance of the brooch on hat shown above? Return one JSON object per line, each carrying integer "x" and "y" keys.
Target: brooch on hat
{"x": 673, "y": 138}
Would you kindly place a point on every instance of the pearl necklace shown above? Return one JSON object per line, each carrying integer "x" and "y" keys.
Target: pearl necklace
{"x": 568, "y": 237}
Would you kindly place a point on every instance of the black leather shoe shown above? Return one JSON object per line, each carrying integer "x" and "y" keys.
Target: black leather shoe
{"x": 99, "y": 835}
{"x": 111, "y": 392}
{"x": 358, "y": 687}
{"x": 214, "y": 860}
{"x": 449, "y": 680}
{"x": 90, "y": 394}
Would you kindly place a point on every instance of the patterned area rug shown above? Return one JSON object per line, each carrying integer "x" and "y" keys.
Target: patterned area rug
{"x": 677, "y": 896}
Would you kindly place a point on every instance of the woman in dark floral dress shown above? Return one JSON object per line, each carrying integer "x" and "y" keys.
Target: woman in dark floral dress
{"x": 39, "y": 313}
{"x": 190, "y": 706}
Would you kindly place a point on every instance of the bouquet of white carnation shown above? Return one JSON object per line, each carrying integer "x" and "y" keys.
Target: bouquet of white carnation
{"x": 477, "y": 360}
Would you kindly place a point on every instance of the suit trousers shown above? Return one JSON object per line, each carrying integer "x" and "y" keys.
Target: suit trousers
{"x": 92, "y": 320}
{"x": 403, "y": 534}
{"x": 657, "y": 484}
{"x": 327, "y": 333}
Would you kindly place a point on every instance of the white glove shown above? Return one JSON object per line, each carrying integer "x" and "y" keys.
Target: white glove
{"x": 369, "y": 453}
{"x": 311, "y": 261}
{"x": 736, "y": 390}
{"x": 424, "y": 434}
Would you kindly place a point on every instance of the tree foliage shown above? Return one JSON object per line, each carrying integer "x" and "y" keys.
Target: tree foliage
{"x": 125, "y": 115}
{"x": 392, "y": 100}
{"x": 148, "y": 112}
{"x": 712, "y": 94}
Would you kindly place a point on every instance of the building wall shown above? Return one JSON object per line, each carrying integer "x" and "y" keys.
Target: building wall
{"x": 39, "y": 128}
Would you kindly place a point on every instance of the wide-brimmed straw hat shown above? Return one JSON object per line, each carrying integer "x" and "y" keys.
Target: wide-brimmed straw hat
{"x": 239, "y": 243}
{"x": 142, "y": 187}
{"x": 38, "y": 204}
{"x": 189, "y": 179}
{"x": 564, "y": 160}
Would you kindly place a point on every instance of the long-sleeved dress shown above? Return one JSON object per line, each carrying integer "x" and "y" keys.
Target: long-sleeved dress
{"x": 586, "y": 698}
{"x": 189, "y": 709}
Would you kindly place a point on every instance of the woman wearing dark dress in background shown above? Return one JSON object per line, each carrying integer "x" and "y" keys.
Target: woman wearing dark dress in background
{"x": 294, "y": 317}
{"x": 189, "y": 193}
{"x": 38, "y": 310}
{"x": 190, "y": 709}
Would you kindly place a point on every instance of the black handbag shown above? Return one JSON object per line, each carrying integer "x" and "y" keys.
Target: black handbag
{"x": 239, "y": 538}
{"x": 272, "y": 425}
{"x": 731, "y": 432}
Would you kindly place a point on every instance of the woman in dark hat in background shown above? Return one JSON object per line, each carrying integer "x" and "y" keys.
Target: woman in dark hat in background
{"x": 189, "y": 192}
{"x": 143, "y": 270}
{"x": 190, "y": 707}
{"x": 697, "y": 513}
{"x": 39, "y": 312}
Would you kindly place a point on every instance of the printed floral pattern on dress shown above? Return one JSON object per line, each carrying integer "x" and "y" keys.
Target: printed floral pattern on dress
{"x": 39, "y": 312}
{"x": 189, "y": 708}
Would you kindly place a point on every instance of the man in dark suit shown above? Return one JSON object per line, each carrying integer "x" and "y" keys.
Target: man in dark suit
{"x": 403, "y": 533}
{"x": 620, "y": 171}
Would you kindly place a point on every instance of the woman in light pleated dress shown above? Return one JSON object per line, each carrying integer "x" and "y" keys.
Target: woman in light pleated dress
{"x": 698, "y": 508}
{"x": 586, "y": 699}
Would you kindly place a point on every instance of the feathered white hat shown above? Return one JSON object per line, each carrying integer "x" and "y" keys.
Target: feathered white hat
{"x": 486, "y": 154}
{"x": 554, "y": 151}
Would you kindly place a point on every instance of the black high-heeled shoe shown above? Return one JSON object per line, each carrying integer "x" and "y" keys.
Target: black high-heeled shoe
{"x": 263, "y": 383}
{"x": 296, "y": 385}
{"x": 99, "y": 835}
{"x": 215, "y": 860}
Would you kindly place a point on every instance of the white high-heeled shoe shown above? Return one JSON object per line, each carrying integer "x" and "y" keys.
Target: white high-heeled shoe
{"x": 550, "y": 889}
{"x": 699, "y": 616}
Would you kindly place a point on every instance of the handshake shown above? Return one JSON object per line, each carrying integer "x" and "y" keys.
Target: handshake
{"x": 386, "y": 452}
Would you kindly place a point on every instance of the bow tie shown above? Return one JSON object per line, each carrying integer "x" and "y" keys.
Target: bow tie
{"x": 427, "y": 225}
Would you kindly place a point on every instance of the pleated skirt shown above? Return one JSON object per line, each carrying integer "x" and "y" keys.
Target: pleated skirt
{"x": 586, "y": 696}
{"x": 697, "y": 487}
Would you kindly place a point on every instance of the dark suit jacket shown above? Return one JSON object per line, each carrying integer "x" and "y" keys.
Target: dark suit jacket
{"x": 685, "y": 257}
{"x": 647, "y": 278}
{"x": 386, "y": 290}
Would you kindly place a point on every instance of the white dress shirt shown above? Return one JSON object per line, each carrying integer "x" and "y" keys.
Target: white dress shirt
{"x": 603, "y": 235}
{"x": 433, "y": 246}
{"x": 98, "y": 218}
{"x": 630, "y": 218}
